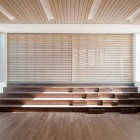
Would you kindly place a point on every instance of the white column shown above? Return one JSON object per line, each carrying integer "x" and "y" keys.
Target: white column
{"x": 136, "y": 60}
{"x": 3, "y": 61}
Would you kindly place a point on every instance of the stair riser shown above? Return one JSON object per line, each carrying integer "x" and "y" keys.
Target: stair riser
{"x": 43, "y": 95}
{"x": 51, "y": 102}
{"x": 8, "y": 89}
{"x": 82, "y": 90}
{"x": 84, "y": 96}
{"x": 18, "y": 109}
{"x": 122, "y": 102}
{"x": 91, "y": 97}
{"x": 69, "y": 102}
{"x": 13, "y": 84}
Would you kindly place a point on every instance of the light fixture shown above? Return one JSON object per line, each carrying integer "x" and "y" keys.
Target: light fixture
{"x": 94, "y": 9}
{"x": 47, "y": 9}
{"x": 134, "y": 15}
{"x": 6, "y": 13}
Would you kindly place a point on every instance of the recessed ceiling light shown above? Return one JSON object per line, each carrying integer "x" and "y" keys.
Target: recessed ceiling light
{"x": 134, "y": 15}
{"x": 6, "y": 13}
{"x": 47, "y": 9}
{"x": 94, "y": 9}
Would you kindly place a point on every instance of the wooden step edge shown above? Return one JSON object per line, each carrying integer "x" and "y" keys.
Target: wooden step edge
{"x": 125, "y": 95}
{"x": 96, "y": 111}
{"x": 84, "y": 99}
{"x": 70, "y": 106}
{"x": 90, "y": 96}
{"x": 79, "y": 103}
{"x": 131, "y": 110}
{"x": 112, "y": 103}
{"x": 24, "y": 92}
{"x": 71, "y": 86}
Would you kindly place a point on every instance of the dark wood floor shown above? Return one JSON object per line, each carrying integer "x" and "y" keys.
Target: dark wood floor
{"x": 69, "y": 126}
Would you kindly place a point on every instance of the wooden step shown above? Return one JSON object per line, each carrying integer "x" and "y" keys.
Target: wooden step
{"x": 110, "y": 103}
{"x": 79, "y": 103}
{"x": 129, "y": 102}
{"x": 91, "y": 96}
{"x": 69, "y": 106}
{"x": 49, "y": 102}
{"x": 9, "y": 84}
{"x": 88, "y": 90}
{"x": 107, "y": 95}
{"x": 134, "y": 95}
{"x": 121, "y": 102}
{"x": 122, "y": 96}
{"x": 37, "y": 89}
{"x": 70, "y": 95}
{"x": 81, "y": 90}
{"x": 59, "y": 98}
{"x": 105, "y": 89}
{"x": 129, "y": 110}
{"x": 67, "y": 90}
{"x": 40, "y": 95}
{"x": 36, "y": 102}
{"x": 86, "y": 99}
{"x": 128, "y": 89}
{"x": 96, "y": 111}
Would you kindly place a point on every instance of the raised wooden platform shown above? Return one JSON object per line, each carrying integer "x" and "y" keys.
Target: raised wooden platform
{"x": 35, "y": 97}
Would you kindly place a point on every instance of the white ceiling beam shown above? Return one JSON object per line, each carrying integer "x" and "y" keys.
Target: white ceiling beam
{"x": 69, "y": 28}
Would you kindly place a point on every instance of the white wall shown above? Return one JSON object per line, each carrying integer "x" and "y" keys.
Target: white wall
{"x": 3, "y": 61}
{"x": 136, "y": 62}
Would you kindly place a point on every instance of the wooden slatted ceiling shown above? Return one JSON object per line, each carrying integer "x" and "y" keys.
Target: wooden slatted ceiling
{"x": 39, "y": 57}
{"x": 70, "y": 58}
{"x": 71, "y": 11}
{"x": 102, "y": 58}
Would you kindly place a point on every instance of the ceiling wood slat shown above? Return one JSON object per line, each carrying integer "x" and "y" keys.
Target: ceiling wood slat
{"x": 131, "y": 6}
{"x": 87, "y": 11}
{"x": 70, "y": 12}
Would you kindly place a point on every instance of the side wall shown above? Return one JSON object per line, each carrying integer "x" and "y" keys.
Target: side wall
{"x": 136, "y": 61}
{"x": 3, "y": 61}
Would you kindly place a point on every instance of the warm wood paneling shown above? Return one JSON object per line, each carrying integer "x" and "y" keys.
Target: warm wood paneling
{"x": 39, "y": 57}
{"x": 102, "y": 58}
{"x": 70, "y": 57}
{"x": 71, "y": 11}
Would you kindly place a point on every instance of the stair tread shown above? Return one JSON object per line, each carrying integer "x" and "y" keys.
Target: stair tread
{"x": 73, "y": 86}
{"x": 61, "y": 96}
{"x": 84, "y": 99}
{"x": 68, "y": 92}
{"x": 66, "y": 106}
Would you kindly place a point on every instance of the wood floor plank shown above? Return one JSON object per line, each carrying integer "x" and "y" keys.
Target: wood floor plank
{"x": 69, "y": 126}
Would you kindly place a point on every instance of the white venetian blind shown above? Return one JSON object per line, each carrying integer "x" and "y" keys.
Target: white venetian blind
{"x": 101, "y": 58}
{"x": 77, "y": 58}
{"x": 39, "y": 57}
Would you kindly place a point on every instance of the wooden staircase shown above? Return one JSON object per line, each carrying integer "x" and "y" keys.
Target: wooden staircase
{"x": 96, "y": 99}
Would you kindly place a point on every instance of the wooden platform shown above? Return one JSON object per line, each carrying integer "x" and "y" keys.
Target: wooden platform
{"x": 35, "y": 97}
